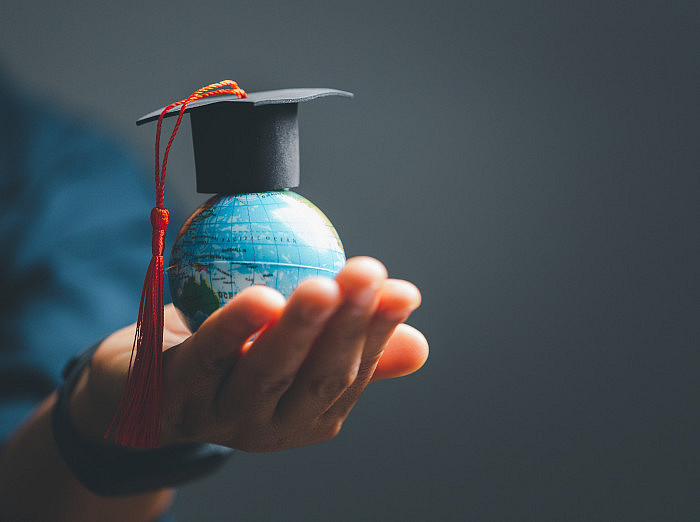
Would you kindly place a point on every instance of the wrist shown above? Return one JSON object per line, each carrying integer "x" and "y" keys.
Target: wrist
{"x": 78, "y": 419}
{"x": 87, "y": 418}
{"x": 93, "y": 403}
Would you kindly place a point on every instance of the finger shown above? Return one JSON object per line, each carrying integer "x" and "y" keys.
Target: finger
{"x": 194, "y": 370}
{"x": 269, "y": 367}
{"x": 216, "y": 345}
{"x": 405, "y": 352}
{"x": 334, "y": 360}
{"x": 397, "y": 299}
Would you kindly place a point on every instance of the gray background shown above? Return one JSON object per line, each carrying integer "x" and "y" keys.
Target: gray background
{"x": 532, "y": 166}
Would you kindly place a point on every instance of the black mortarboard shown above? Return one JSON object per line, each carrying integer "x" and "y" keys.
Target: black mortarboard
{"x": 249, "y": 144}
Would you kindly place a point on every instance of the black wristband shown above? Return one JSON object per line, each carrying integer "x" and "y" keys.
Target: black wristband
{"x": 118, "y": 471}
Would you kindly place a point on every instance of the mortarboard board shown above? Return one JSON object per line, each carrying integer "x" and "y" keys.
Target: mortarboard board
{"x": 247, "y": 144}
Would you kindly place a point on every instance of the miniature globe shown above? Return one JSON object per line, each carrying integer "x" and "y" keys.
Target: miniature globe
{"x": 231, "y": 242}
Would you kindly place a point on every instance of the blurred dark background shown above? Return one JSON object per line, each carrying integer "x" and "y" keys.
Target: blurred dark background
{"x": 532, "y": 166}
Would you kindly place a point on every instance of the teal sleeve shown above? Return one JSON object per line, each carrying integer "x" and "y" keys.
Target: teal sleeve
{"x": 75, "y": 243}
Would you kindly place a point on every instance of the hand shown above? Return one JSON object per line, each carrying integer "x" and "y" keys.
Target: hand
{"x": 293, "y": 385}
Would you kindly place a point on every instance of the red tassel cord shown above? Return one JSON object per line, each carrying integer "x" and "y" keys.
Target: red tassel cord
{"x": 137, "y": 421}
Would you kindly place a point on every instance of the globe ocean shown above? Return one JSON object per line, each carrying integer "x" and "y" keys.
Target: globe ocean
{"x": 231, "y": 242}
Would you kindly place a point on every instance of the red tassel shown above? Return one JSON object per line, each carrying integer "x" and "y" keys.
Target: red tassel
{"x": 138, "y": 416}
{"x": 140, "y": 409}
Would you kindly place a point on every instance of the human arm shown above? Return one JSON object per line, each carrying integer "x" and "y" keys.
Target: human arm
{"x": 36, "y": 484}
{"x": 294, "y": 385}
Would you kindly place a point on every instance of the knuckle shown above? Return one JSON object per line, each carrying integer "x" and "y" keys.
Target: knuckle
{"x": 209, "y": 362}
{"x": 353, "y": 330}
{"x": 331, "y": 386}
{"x": 267, "y": 385}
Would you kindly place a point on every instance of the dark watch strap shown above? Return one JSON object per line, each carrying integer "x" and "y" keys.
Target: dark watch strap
{"x": 119, "y": 471}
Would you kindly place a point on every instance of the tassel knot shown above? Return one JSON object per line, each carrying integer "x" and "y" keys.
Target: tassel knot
{"x": 159, "y": 220}
{"x": 160, "y": 217}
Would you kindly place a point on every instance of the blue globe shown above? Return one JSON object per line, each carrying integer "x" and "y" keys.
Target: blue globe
{"x": 231, "y": 242}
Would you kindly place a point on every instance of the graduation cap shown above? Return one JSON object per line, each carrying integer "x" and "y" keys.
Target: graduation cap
{"x": 246, "y": 144}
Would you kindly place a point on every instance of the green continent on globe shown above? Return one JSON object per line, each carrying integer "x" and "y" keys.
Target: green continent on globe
{"x": 198, "y": 298}
{"x": 231, "y": 242}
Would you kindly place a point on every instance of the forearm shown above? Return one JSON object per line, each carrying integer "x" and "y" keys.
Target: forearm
{"x": 36, "y": 484}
